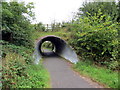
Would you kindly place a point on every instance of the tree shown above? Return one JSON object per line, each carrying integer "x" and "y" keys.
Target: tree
{"x": 16, "y": 19}
{"x": 107, "y": 8}
{"x": 40, "y": 27}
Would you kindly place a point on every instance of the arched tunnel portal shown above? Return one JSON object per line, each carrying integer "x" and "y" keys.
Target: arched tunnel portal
{"x": 61, "y": 49}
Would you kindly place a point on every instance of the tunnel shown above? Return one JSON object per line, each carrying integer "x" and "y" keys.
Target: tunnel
{"x": 61, "y": 48}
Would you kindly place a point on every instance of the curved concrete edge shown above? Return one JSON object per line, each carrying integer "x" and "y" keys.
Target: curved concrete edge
{"x": 62, "y": 49}
{"x": 69, "y": 54}
{"x": 37, "y": 57}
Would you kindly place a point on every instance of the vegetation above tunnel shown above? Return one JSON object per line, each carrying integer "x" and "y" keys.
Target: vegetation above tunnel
{"x": 94, "y": 34}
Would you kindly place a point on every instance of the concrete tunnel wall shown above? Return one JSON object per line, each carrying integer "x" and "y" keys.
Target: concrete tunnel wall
{"x": 61, "y": 48}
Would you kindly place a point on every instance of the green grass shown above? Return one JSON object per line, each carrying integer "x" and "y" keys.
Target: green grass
{"x": 106, "y": 77}
{"x": 38, "y": 78}
{"x": 61, "y": 34}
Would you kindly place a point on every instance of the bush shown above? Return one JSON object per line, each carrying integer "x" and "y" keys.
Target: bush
{"x": 17, "y": 74}
{"x": 16, "y": 27}
{"x": 18, "y": 71}
{"x": 22, "y": 51}
{"x": 97, "y": 37}
{"x": 13, "y": 67}
{"x": 15, "y": 60}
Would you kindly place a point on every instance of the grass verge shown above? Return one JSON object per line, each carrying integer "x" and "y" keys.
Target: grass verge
{"x": 38, "y": 78}
{"x": 105, "y": 76}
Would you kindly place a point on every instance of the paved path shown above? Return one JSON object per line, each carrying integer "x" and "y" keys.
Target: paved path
{"x": 62, "y": 76}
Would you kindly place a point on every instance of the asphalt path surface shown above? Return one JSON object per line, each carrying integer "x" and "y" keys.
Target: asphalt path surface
{"x": 63, "y": 76}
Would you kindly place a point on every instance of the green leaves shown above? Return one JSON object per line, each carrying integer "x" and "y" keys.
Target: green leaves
{"x": 108, "y": 8}
{"x": 18, "y": 70}
{"x": 97, "y": 37}
{"x": 16, "y": 22}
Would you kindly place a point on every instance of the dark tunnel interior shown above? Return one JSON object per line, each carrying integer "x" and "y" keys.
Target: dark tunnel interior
{"x": 58, "y": 43}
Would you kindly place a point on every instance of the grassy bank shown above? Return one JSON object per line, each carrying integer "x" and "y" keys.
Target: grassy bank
{"x": 37, "y": 78}
{"x": 18, "y": 70}
{"x": 106, "y": 77}
{"x": 36, "y": 35}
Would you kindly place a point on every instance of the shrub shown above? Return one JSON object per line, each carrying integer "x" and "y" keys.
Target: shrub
{"x": 17, "y": 74}
{"x": 97, "y": 37}
{"x": 13, "y": 67}
{"x": 16, "y": 27}
{"x": 22, "y": 51}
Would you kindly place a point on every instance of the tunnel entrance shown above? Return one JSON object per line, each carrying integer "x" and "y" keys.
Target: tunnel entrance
{"x": 57, "y": 47}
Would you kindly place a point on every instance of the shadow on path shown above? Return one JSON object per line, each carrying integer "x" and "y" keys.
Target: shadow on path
{"x": 50, "y": 54}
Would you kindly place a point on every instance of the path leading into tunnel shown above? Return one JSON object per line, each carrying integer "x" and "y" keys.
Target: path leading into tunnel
{"x": 62, "y": 76}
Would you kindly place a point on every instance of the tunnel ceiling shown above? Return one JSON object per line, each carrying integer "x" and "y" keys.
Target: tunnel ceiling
{"x": 61, "y": 48}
